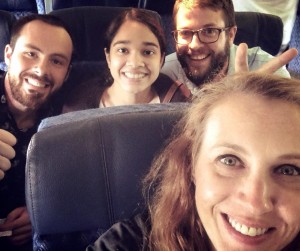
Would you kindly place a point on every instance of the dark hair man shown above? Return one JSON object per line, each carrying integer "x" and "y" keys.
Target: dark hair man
{"x": 38, "y": 59}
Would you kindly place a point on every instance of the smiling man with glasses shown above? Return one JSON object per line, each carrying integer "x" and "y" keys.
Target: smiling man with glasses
{"x": 204, "y": 34}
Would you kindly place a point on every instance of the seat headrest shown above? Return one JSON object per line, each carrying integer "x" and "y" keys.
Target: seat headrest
{"x": 87, "y": 26}
{"x": 24, "y": 5}
{"x": 259, "y": 29}
{"x": 84, "y": 168}
{"x": 162, "y": 9}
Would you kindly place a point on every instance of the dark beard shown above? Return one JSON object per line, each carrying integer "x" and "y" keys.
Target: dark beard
{"x": 33, "y": 101}
{"x": 216, "y": 66}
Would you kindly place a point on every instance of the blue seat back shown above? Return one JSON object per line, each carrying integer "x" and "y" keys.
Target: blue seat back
{"x": 84, "y": 169}
{"x": 294, "y": 65}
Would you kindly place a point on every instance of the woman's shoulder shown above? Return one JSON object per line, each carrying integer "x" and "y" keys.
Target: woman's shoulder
{"x": 126, "y": 235}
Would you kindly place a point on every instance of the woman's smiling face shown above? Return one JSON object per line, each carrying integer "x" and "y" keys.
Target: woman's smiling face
{"x": 134, "y": 58}
{"x": 247, "y": 174}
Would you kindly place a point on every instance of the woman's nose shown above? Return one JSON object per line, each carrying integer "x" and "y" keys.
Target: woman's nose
{"x": 135, "y": 60}
{"x": 256, "y": 194}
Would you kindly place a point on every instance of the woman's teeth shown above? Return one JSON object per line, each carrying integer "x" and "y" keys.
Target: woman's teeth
{"x": 245, "y": 230}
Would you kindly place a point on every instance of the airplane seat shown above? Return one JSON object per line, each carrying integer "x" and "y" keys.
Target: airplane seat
{"x": 259, "y": 29}
{"x": 24, "y": 7}
{"x": 6, "y": 21}
{"x": 255, "y": 29}
{"x": 294, "y": 65}
{"x": 87, "y": 25}
{"x": 165, "y": 10}
{"x": 84, "y": 170}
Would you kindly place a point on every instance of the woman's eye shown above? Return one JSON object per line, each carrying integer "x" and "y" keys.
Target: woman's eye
{"x": 148, "y": 52}
{"x": 288, "y": 170}
{"x": 229, "y": 160}
{"x": 122, "y": 50}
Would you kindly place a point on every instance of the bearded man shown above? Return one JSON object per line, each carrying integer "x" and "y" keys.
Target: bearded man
{"x": 204, "y": 35}
{"x": 38, "y": 59}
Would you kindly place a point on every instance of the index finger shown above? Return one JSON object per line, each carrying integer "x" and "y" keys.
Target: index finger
{"x": 241, "y": 58}
{"x": 279, "y": 61}
{"x": 7, "y": 137}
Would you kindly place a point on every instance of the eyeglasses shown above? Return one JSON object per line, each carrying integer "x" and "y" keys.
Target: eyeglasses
{"x": 205, "y": 35}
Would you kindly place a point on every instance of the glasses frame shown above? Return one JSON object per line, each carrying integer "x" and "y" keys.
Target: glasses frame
{"x": 198, "y": 34}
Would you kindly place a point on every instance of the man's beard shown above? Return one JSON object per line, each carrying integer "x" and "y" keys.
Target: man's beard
{"x": 215, "y": 68}
{"x": 33, "y": 101}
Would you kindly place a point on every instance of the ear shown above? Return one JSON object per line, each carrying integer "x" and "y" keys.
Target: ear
{"x": 231, "y": 34}
{"x": 107, "y": 56}
{"x": 8, "y": 51}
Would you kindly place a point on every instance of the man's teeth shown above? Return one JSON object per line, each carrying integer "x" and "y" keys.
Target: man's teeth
{"x": 134, "y": 75}
{"x": 243, "y": 229}
{"x": 35, "y": 83}
{"x": 199, "y": 57}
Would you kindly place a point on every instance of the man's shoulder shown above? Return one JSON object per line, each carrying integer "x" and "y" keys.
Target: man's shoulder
{"x": 171, "y": 57}
{"x": 256, "y": 58}
{"x": 171, "y": 65}
{"x": 251, "y": 52}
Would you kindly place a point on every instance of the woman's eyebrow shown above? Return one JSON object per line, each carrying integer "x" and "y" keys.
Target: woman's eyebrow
{"x": 128, "y": 42}
{"x": 151, "y": 44}
{"x": 231, "y": 146}
{"x": 121, "y": 42}
{"x": 295, "y": 156}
